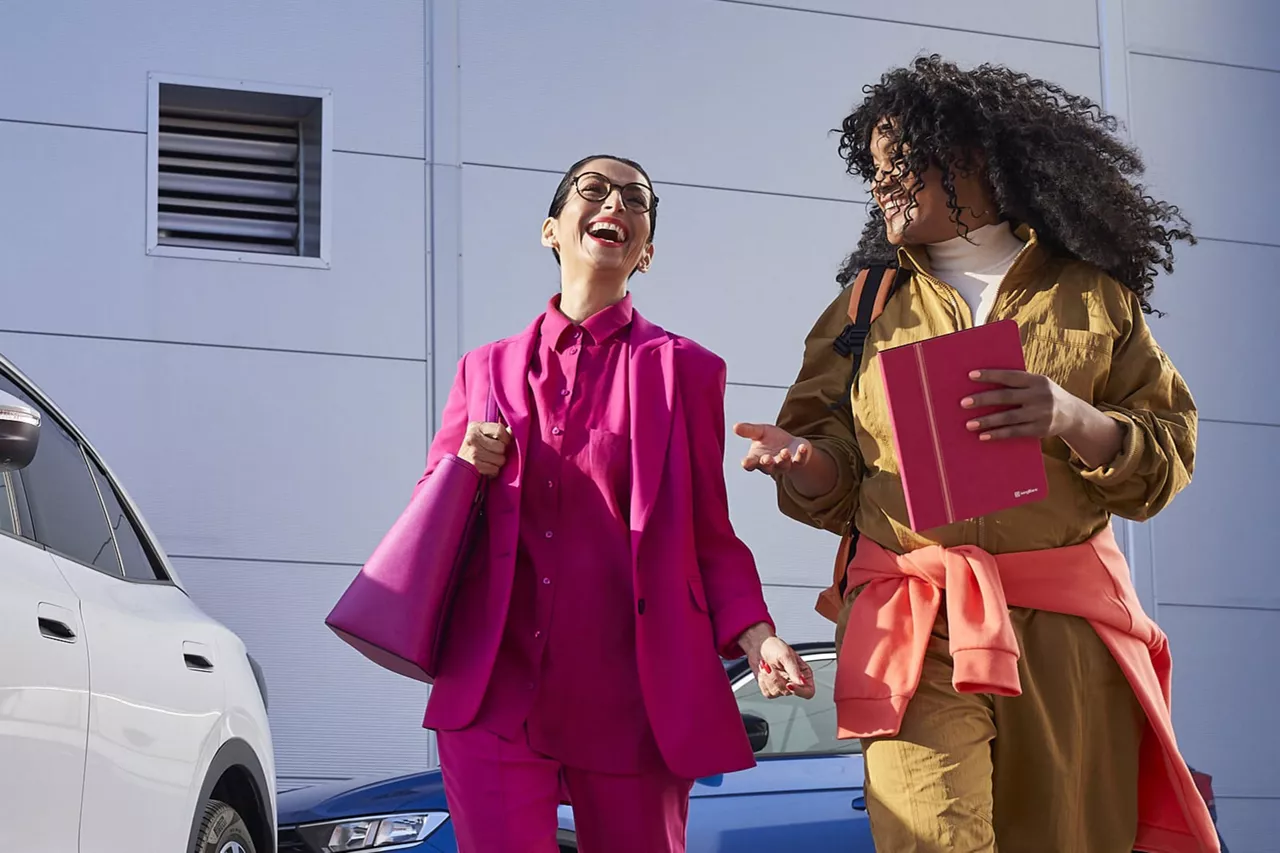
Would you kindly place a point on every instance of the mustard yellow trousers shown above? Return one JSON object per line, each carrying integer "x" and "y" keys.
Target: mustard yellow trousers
{"x": 1054, "y": 770}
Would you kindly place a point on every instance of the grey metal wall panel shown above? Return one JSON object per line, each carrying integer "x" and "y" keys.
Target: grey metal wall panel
{"x": 333, "y": 713}
{"x": 1074, "y": 21}
{"x": 732, "y": 270}
{"x": 739, "y": 96}
{"x": 1208, "y": 545}
{"x": 77, "y": 198}
{"x": 1215, "y": 703}
{"x": 1223, "y": 369}
{"x": 86, "y": 63}
{"x": 1235, "y": 32}
{"x": 242, "y": 453}
{"x": 792, "y": 610}
{"x": 786, "y": 551}
{"x": 1196, "y": 160}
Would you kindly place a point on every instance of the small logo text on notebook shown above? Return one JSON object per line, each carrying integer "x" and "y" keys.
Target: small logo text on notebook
{"x": 1024, "y": 492}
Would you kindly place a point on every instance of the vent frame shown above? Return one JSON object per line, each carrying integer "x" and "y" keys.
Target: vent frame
{"x": 203, "y": 136}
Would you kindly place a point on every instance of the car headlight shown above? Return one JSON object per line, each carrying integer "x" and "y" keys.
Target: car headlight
{"x": 381, "y": 833}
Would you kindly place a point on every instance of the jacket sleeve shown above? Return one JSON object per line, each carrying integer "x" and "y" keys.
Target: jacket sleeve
{"x": 818, "y": 407}
{"x": 453, "y": 423}
{"x": 734, "y": 595}
{"x": 1145, "y": 393}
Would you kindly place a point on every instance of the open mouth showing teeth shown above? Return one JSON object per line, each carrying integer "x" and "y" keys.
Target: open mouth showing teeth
{"x": 609, "y": 232}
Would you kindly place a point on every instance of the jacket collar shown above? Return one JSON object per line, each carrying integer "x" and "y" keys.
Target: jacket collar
{"x": 1033, "y": 256}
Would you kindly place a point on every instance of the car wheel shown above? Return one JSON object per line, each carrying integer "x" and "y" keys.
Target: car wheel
{"x": 222, "y": 830}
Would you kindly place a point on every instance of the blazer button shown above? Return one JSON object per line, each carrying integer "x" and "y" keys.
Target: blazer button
{"x": 640, "y": 607}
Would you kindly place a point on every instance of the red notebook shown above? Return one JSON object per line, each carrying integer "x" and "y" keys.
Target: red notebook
{"x": 948, "y": 474}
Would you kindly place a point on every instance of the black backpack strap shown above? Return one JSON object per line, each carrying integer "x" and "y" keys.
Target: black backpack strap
{"x": 870, "y": 292}
{"x": 867, "y": 297}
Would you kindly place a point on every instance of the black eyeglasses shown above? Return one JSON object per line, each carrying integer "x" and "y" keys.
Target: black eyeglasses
{"x": 595, "y": 187}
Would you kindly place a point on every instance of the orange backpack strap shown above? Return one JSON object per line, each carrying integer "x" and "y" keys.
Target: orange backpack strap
{"x": 868, "y": 295}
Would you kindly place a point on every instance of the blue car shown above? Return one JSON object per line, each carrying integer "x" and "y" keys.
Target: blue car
{"x": 805, "y": 792}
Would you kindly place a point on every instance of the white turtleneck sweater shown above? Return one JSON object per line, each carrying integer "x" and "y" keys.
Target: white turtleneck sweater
{"x": 976, "y": 266}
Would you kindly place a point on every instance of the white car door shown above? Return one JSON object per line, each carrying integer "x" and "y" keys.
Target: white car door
{"x": 156, "y": 695}
{"x": 44, "y": 694}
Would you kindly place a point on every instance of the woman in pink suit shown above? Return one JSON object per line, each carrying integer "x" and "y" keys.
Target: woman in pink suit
{"x": 583, "y": 653}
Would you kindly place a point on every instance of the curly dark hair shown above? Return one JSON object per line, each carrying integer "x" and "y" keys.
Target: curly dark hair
{"x": 1052, "y": 158}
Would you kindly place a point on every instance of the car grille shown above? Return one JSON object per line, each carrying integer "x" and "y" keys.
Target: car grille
{"x": 290, "y": 841}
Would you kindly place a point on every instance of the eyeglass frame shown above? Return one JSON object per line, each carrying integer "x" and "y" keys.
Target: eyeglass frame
{"x": 619, "y": 187}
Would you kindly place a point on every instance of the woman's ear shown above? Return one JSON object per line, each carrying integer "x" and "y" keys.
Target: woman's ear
{"x": 549, "y": 238}
{"x": 646, "y": 258}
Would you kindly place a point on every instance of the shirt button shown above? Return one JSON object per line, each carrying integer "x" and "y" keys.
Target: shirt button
{"x": 548, "y": 534}
{"x": 551, "y": 484}
{"x": 546, "y": 581}
{"x": 555, "y": 430}
{"x": 564, "y": 392}
{"x": 573, "y": 350}
{"x": 537, "y": 634}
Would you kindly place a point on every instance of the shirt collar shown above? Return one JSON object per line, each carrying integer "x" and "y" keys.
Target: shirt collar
{"x": 558, "y": 330}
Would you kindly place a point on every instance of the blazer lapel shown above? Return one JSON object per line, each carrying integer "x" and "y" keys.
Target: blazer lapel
{"x": 509, "y": 371}
{"x": 652, "y": 391}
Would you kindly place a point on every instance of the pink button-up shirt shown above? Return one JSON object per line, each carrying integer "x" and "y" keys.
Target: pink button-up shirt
{"x": 567, "y": 667}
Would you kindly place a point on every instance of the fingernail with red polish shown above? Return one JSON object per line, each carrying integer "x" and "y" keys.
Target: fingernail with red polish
{"x": 765, "y": 667}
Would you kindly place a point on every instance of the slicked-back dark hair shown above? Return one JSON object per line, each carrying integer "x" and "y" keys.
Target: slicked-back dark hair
{"x": 561, "y": 198}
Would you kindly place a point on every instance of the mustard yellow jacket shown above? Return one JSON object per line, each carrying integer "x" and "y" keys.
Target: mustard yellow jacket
{"x": 1080, "y": 328}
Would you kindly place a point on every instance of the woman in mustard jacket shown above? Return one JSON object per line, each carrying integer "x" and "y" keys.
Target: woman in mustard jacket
{"x": 998, "y": 196}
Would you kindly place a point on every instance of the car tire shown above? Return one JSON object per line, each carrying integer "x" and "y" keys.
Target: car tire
{"x": 222, "y": 830}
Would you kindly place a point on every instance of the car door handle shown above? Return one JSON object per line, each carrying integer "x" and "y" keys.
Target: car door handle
{"x": 55, "y": 622}
{"x": 859, "y": 804}
{"x": 196, "y": 657}
{"x": 56, "y": 629}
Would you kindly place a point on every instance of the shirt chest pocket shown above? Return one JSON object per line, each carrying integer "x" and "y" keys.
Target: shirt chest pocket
{"x": 1076, "y": 359}
{"x": 609, "y": 460}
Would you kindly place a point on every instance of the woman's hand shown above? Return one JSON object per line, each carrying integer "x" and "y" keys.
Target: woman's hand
{"x": 1041, "y": 407}
{"x": 773, "y": 449}
{"x": 778, "y": 669}
{"x": 810, "y": 470}
{"x": 485, "y": 446}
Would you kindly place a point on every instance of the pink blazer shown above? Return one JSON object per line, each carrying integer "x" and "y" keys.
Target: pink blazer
{"x": 695, "y": 583}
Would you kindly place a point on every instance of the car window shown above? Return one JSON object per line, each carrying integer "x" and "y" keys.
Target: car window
{"x": 799, "y": 726}
{"x": 138, "y": 562}
{"x": 66, "y": 512}
{"x": 8, "y": 510}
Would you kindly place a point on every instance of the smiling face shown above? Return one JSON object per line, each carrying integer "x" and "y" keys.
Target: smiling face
{"x": 915, "y": 205}
{"x": 604, "y": 224}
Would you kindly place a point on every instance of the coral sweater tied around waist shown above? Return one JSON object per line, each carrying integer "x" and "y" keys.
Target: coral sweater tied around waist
{"x": 893, "y": 616}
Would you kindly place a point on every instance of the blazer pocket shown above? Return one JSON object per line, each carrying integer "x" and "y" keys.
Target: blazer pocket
{"x": 1076, "y": 359}
{"x": 698, "y": 594}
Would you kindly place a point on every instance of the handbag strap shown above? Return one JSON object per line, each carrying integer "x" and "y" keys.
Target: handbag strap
{"x": 491, "y": 407}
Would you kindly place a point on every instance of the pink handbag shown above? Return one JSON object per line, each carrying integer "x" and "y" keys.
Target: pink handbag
{"x": 396, "y": 611}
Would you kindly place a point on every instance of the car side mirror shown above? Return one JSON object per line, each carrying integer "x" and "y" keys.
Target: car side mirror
{"x": 757, "y": 731}
{"x": 19, "y": 433}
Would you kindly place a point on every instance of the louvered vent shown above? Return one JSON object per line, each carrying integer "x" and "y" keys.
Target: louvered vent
{"x": 229, "y": 183}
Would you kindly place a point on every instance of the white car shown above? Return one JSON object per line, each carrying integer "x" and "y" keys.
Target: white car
{"x": 129, "y": 720}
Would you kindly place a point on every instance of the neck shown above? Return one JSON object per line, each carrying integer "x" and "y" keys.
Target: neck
{"x": 983, "y": 249}
{"x": 584, "y": 295}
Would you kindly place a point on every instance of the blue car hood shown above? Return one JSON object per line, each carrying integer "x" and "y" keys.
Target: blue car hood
{"x": 355, "y": 798}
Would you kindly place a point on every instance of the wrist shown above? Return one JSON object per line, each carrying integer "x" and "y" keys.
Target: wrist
{"x": 753, "y": 638}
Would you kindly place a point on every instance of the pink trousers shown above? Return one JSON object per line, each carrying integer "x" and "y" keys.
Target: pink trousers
{"x": 503, "y": 798}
